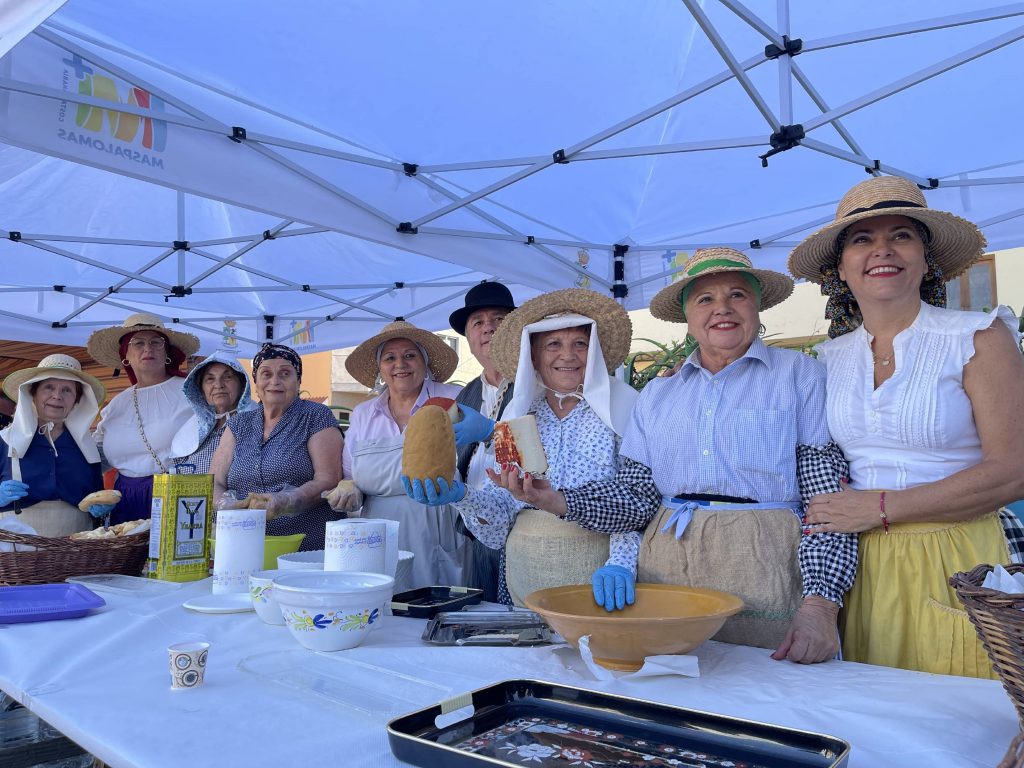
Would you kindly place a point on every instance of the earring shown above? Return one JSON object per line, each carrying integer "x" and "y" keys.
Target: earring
{"x": 761, "y": 330}
{"x": 167, "y": 359}
{"x": 126, "y": 364}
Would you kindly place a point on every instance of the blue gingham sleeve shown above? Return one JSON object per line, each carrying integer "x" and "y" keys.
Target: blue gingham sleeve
{"x": 828, "y": 561}
{"x": 626, "y": 502}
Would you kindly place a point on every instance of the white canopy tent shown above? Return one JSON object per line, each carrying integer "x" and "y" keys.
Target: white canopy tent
{"x": 321, "y": 168}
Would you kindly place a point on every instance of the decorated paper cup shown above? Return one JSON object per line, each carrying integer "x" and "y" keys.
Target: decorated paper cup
{"x": 188, "y": 664}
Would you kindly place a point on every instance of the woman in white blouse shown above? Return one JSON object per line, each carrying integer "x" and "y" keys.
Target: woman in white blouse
{"x": 136, "y": 427}
{"x": 928, "y": 406}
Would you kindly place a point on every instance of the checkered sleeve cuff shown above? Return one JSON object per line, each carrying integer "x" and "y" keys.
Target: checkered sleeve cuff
{"x": 625, "y": 503}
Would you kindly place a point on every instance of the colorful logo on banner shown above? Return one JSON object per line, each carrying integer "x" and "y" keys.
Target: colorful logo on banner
{"x": 301, "y": 333}
{"x": 132, "y": 137}
{"x": 675, "y": 260}
{"x": 229, "y": 334}
{"x": 583, "y": 259}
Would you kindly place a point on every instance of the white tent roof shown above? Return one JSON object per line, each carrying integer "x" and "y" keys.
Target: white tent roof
{"x": 333, "y": 165}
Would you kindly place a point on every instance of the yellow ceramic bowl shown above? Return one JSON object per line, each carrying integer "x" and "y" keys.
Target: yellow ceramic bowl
{"x": 273, "y": 546}
{"x": 665, "y": 619}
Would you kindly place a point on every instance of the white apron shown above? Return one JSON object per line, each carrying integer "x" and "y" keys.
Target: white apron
{"x": 52, "y": 518}
{"x": 442, "y": 554}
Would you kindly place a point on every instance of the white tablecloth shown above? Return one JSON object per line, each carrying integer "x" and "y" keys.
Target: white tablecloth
{"x": 103, "y": 680}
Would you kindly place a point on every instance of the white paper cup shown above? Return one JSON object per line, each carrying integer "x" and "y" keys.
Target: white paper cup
{"x": 352, "y": 546}
{"x": 188, "y": 664}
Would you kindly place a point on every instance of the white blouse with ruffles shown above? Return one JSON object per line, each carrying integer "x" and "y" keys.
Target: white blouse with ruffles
{"x": 163, "y": 408}
{"x": 918, "y": 426}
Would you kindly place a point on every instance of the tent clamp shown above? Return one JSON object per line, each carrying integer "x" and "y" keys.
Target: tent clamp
{"x": 787, "y": 137}
{"x": 932, "y": 184}
{"x": 619, "y": 288}
{"x": 399, "y": 319}
{"x": 399, "y": 285}
{"x": 58, "y": 288}
{"x": 305, "y": 287}
{"x": 410, "y": 169}
{"x": 56, "y": 324}
{"x": 268, "y": 235}
{"x": 406, "y": 228}
{"x": 790, "y": 48}
{"x": 181, "y": 245}
{"x": 530, "y": 240}
{"x": 178, "y": 292}
{"x": 755, "y": 244}
{"x": 15, "y": 236}
{"x": 873, "y": 169}
{"x": 559, "y": 157}
{"x": 238, "y": 134}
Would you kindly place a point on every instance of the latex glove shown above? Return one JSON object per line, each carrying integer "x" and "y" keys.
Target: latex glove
{"x": 99, "y": 511}
{"x": 283, "y": 504}
{"x": 614, "y": 587}
{"x": 11, "y": 491}
{"x": 345, "y": 496}
{"x": 474, "y": 427}
{"x": 424, "y": 491}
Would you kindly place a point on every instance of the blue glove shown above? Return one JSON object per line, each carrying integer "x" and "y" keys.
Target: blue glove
{"x": 474, "y": 427}
{"x": 425, "y": 493}
{"x": 99, "y": 511}
{"x": 614, "y": 587}
{"x": 11, "y": 491}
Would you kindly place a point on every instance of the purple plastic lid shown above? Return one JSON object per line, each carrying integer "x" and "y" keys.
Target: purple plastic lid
{"x": 45, "y": 602}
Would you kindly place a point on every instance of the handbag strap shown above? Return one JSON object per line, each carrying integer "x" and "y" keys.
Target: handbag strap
{"x": 142, "y": 430}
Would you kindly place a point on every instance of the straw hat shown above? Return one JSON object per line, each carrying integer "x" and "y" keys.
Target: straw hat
{"x": 614, "y": 328}
{"x": 362, "y": 363}
{"x": 104, "y": 345}
{"x": 53, "y": 367}
{"x": 956, "y": 243}
{"x": 667, "y": 305}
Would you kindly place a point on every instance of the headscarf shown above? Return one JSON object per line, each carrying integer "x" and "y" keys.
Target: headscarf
{"x": 195, "y": 431}
{"x": 611, "y": 399}
{"x": 176, "y": 356}
{"x": 271, "y": 351}
{"x": 23, "y": 428}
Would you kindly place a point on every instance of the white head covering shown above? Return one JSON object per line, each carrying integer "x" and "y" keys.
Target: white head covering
{"x": 23, "y": 428}
{"x": 611, "y": 399}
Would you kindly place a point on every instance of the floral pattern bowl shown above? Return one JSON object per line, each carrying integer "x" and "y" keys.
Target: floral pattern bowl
{"x": 264, "y": 600}
{"x": 330, "y": 610}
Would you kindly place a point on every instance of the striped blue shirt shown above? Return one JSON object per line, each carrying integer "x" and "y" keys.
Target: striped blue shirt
{"x": 739, "y": 428}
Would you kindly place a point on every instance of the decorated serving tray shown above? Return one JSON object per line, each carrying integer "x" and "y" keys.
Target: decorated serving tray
{"x": 548, "y": 725}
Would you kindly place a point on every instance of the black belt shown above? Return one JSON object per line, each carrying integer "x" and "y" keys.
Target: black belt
{"x": 713, "y": 497}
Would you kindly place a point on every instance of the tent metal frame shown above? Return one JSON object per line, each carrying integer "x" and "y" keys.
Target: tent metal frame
{"x": 432, "y": 176}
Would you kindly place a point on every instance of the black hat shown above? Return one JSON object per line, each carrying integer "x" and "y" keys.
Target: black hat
{"x": 483, "y": 296}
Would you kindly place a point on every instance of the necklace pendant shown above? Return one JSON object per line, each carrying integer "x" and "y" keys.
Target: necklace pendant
{"x": 886, "y": 362}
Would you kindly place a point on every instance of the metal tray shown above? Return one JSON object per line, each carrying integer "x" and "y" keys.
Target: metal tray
{"x": 548, "y": 725}
{"x": 45, "y": 602}
{"x": 499, "y": 627}
{"x": 427, "y": 602}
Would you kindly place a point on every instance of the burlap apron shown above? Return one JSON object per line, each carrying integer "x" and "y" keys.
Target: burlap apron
{"x": 52, "y": 518}
{"x": 751, "y": 553}
{"x": 543, "y": 551}
{"x": 441, "y": 554}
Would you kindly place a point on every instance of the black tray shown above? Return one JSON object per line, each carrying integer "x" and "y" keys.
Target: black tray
{"x": 551, "y": 725}
{"x": 426, "y": 602}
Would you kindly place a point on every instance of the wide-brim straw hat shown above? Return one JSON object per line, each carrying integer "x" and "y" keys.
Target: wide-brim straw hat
{"x": 54, "y": 367}
{"x": 362, "y": 363}
{"x": 104, "y": 345}
{"x": 614, "y": 328}
{"x": 667, "y": 304}
{"x": 956, "y": 243}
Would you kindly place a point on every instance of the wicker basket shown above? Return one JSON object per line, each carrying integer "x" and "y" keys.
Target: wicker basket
{"x": 1000, "y": 624}
{"x": 54, "y": 559}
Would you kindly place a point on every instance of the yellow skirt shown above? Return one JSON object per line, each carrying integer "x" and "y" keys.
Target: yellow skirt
{"x": 902, "y": 613}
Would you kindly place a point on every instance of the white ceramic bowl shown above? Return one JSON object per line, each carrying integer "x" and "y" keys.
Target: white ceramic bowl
{"x": 332, "y": 611}
{"x": 261, "y": 590}
{"x": 301, "y": 561}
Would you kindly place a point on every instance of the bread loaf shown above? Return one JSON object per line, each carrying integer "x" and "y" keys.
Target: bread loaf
{"x": 429, "y": 450}
{"x": 99, "y": 497}
{"x": 447, "y": 404}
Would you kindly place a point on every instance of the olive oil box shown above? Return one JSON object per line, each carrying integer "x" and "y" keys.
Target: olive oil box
{"x": 178, "y": 548}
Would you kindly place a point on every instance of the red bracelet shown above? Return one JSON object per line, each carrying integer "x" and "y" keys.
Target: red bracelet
{"x": 881, "y": 514}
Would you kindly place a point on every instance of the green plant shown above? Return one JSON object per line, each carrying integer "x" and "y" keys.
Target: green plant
{"x": 644, "y": 366}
